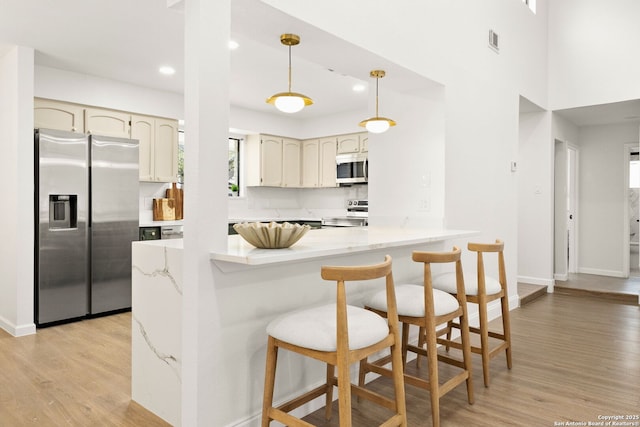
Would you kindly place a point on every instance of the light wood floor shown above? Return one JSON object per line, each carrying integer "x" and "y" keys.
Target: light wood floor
{"x": 574, "y": 358}
{"x": 77, "y": 374}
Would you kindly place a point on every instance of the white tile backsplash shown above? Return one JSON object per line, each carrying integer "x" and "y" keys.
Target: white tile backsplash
{"x": 270, "y": 202}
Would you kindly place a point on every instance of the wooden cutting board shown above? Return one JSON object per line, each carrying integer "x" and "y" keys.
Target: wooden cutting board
{"x": 164, "y": 209}
{"x": 176, "y": 193}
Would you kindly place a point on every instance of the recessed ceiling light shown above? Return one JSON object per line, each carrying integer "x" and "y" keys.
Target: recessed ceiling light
{"x": 233, "y": 45}
{"x": 167, "y": 70}
{"x": 359, "y": 87}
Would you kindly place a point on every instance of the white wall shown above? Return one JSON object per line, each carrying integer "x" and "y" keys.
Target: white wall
{"x": 591, "y": 42}
{"x": 535, "y": 198}
{"x": 99, "y": 92}
{"x": 407, "y": 176}
{"x": 447, "y": 43}
{"x": 16, "y": 163}
{"x": 602, "y": 191}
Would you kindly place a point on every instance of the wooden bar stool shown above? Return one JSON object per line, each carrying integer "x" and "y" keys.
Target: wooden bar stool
{"x": 425, "y": 307}
{"x": 486, "y": 289}
{"x": 339, "y": 335}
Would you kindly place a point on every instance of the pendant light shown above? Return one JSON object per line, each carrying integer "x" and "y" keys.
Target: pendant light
{"x": 289, "y": 102}
{"x": 377, "y": 124}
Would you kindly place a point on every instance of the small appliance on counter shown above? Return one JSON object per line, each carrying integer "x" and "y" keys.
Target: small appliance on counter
{"x": 357, "y": 215}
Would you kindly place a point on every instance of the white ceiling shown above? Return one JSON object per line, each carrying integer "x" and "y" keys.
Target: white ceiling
{"x": 129, "y": 40}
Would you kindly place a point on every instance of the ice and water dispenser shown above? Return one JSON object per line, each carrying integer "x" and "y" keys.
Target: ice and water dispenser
{"x": 63, "y": 211}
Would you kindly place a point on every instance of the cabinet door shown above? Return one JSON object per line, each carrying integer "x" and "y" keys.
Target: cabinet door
{"x": 271, "y": 161}
{"x": 107, "y": 122}
{"x": 290, "y": 162}
{"x": 142, "y": 129}
{"x": 364, "y": 142}
{"x": 58, "y": 115}
{"x": 328, "y": 162}
{"x": 348, "y": 144}
{"x": 165, "y": 150}
{"x": 310, "y": 163}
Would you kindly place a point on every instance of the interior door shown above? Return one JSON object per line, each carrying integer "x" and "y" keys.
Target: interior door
{"x": 561, "y": 252}
{"x": 572, "y": 208}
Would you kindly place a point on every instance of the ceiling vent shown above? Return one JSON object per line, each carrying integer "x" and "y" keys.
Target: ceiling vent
{"x": 493, "y": 40}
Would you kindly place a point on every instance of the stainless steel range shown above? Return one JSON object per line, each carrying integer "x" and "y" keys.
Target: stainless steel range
{"x": 357, "y": 215}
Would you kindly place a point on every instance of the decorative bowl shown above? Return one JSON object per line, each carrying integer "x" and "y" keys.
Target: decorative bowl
{"x": 271, "y": 235}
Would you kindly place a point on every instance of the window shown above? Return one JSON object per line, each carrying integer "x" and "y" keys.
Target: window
{"x": 634, "y": 171}
{"x": 234, "y": 163}
{"x": 181, "y": 156}
{"x": 234, "y": 167}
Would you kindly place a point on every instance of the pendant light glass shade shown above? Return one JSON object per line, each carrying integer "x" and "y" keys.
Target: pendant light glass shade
{"x": 289, "y": 102}
{"x": 377, "y": 124}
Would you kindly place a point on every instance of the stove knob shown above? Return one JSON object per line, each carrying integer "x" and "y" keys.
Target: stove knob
{"x": 350, "y": 203}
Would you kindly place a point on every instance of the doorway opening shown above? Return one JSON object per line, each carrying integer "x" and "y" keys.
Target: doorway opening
{"x": 632, "y": 186}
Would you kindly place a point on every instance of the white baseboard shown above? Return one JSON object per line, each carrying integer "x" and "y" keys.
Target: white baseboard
{"x": 599, "y": 272}
{"x": 19, "y": 330}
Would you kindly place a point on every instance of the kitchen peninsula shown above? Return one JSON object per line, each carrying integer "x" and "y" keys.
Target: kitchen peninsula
{"x": 252, "y": 287}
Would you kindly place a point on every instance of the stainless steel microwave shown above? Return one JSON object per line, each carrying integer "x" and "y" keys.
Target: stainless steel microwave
{"x": 352, "y": 168}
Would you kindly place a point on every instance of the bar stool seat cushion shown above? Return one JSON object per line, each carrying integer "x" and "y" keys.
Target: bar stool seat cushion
{"x": 315, "y": 328}
{"x": 447, "y": 283}
{"x": 410, "y": 301}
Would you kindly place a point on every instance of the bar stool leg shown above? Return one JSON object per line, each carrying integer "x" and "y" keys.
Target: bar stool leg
{"x": 484, "y": 338}
{"x": 432, "y": 362}
{"x": 331, "y": 370}
{"x": 269, "y": 380}
{"x": 506, "y": 327}
{"x": 344, "y": 392}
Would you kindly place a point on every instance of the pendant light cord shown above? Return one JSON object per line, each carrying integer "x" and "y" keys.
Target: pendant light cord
{"x": 377, "y": 78}
{"x": 289, "y": 68}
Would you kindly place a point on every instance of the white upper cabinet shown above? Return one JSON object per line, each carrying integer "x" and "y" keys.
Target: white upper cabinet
{"x": 272, "y": 161}
{"x": 311, "y": 163}
{"x": 143, "y": 129}
{"x": 158, "y": 137}
{"x": 158, "y": 147}
{"x": 319, "y": 162}
{"x": 165, "y": 150}
{"x": 48, "y": 114}
{"x": 327, "y": 166}
{"x": 291, "y": 153}
{"x": 263, "y": 159}
{"x": 98, "y": 121}
{"x": 353, "y": 143}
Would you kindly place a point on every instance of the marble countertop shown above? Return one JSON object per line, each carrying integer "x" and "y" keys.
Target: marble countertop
{"x": 152, "y": 223}
{"x": 333, "y": 241}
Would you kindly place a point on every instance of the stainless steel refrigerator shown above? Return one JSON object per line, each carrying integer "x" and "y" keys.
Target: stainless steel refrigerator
{"x": 86, "y": 218}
